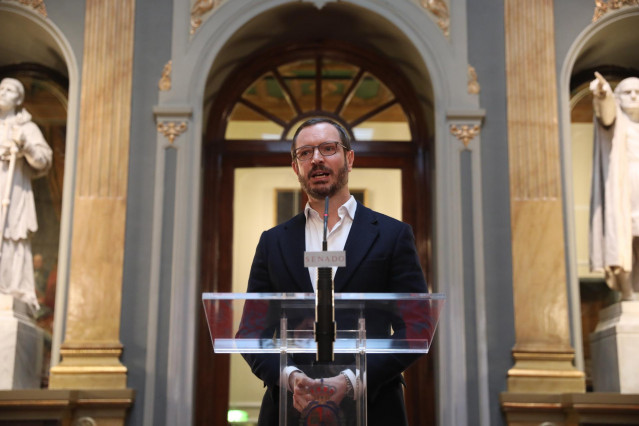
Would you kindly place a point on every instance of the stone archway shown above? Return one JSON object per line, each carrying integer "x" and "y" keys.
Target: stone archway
{"x": 431, "y": 55}
{"x": 47, "y": 48}
{"x": 365, "y": 92}
{"x": 583, "y": 58}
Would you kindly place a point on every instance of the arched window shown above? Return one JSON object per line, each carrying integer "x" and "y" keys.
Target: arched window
{"x": 272, "y": 98}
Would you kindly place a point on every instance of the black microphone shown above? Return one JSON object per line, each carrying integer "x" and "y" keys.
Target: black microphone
{"x": 324, "y": 305}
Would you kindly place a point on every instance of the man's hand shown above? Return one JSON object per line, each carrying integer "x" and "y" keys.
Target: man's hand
{"x": 301, "y": 385}
{"x": 603, "y": 101}
{"x": 599, "y": 87}
{"x": 339, "y": 383}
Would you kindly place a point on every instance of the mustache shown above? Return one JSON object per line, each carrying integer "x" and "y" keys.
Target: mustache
{"x": 320, "y": 168}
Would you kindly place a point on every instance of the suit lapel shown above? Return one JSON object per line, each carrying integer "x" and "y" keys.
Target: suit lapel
{"x": 363, "y": 234}
{"x": 293, "y": 245}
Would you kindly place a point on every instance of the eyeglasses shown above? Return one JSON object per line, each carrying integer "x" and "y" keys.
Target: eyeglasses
{"x": 305, "y": 153}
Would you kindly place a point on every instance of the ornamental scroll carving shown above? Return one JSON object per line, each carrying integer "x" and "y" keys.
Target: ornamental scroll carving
{"x": 199, "y": 9}
{"x": 165, "y": 81}
{"x": 37, "y": 5}
{"x": 171, "y": 129}
{"x": 439, "y": 8}
{"x": 603, "y": 6}
{"x": 473, "y": 83}
{"x": 465, "y": 133}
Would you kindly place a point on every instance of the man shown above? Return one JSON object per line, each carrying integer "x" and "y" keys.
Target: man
{"x": 380, "y": 257}
{"x": 614, "y": 212}
{"x": 24, "y": 155}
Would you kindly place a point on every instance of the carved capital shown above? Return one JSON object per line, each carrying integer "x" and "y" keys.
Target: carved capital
{"x": 603, "y": 6}
{"x": 439, "y": 8}
{"x": 171, "y": 129}
{"x": 465, "y": 133}
{"x": 165, "y": 81}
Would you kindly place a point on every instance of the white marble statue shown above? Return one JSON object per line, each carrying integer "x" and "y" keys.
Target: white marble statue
{"x": 614, "y": 211}
{"x": 24, "y": 155}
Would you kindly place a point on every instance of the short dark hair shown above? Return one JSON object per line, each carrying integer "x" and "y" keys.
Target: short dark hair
{"x": 343, "y": 134}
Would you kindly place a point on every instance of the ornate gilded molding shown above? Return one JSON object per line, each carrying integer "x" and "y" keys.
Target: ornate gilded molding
{"x": 171, "y": 129}
{"x": 473, "y": 83}
{"x": 439, "y": 8}
{"x": 199, "y": 9}
{"x": 37, "y": 5}
{"x": 165, "y": 81}
{"x": 603, "y": 6}
{"x": 465, "y": 133}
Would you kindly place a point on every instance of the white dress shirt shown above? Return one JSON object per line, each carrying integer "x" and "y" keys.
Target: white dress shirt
{"x": 336, "y": 237}
{"x": 336, "y": 240}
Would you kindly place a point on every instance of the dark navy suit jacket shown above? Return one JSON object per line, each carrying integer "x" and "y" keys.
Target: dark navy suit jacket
{"x": 380, "y": 258}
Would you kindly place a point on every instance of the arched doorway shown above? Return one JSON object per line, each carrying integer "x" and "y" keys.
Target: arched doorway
{"x": 250, "y": 125}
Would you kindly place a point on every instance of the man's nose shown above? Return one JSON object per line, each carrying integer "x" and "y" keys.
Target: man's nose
{"x": 317, "y": 156}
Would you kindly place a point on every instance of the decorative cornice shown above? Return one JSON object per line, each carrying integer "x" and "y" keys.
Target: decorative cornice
{"x": 171, "y": 129}
{"x": 165, "y": 81}
{"x": 37, "y": 5}
{"x": 439, "y": 8}
{"x": 473, "y": 84}
{"x": 465, "y": 134}
{"x": 199, "y": 9}
{"x": 603, "y": 6}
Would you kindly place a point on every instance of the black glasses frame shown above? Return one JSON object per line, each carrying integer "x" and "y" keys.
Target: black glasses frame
{"x": 319, "y": 147}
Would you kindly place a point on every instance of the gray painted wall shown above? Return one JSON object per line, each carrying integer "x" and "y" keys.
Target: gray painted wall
{"x": 152, "y": 51}
{"x": 486, "y": 52}
{"x": 68, "y": 15}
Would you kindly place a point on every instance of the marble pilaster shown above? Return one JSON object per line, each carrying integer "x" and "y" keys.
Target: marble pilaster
{"x": 543, "y": 354}
{"x": 91, "y": 348}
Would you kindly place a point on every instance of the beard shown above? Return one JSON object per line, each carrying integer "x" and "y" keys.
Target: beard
{"x": 322, "y": 192}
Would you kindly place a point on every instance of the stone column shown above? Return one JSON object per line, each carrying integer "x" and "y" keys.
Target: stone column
{"x": 543, "y": 354}
{"x": 91, "y": 348}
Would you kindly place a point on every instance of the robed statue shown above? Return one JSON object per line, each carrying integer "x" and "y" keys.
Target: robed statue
{"x": 614, "y": 210}
{"x": 24, "y": 155}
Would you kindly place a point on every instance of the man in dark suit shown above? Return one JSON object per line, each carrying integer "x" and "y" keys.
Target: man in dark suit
{"x": 380, "y": 257}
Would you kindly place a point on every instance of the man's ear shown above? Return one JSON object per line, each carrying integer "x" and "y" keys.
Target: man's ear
{"x": 350, "y": 159}
{"x": 295, "y": 167}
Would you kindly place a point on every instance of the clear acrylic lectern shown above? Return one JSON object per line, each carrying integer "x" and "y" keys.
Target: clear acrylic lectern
{"x": 276, "y": 329}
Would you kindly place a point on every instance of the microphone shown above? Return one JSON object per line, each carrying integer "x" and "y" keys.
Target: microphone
{"x": 324, "y": 305}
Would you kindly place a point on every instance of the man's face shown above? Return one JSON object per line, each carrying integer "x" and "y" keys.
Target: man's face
{"x": 9, "y": 95}
{"x": 322, "y": 176}
{"x": 628, "y": 94}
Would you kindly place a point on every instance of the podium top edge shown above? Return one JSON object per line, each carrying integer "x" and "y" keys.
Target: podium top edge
{"x": 311, "y": 296}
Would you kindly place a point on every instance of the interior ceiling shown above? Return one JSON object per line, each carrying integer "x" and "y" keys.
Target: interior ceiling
{"x": 300, "y": 22}
{"x": 615, "y": 45}
{"x": 25, "y": 42}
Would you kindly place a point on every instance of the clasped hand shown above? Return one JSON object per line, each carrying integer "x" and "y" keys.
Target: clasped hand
{"x": 302, "y": 387}
{"x": 13, "y": 144}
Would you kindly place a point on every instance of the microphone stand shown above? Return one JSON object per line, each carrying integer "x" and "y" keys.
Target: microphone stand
{"x": 324, "y": 306}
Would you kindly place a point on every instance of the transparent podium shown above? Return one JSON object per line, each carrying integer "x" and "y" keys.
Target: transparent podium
{"x": 376, "y": 333}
